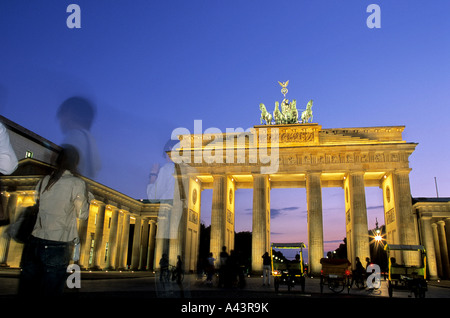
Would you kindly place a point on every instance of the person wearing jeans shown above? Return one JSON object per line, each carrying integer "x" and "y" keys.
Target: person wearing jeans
{"x": 63, "y": 197}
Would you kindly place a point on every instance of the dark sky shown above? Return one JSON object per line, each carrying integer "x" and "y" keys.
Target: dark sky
{"x": 153, "y": 66}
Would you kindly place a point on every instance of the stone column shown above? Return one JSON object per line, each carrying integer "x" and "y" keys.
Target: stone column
{"x": 447, "y": 231}
{"x": 443, "y": 248}
{"x": 162, "y": 235}
{"x": 427, "y": 235}
{"x": 9, "y": 205}
{"x": 151, "y": 246}
{"x": 111, "y": 257}
{"x": 124, "y": 241}
{"x": 261, "y": 219}
{"x": 178, "y": 219}
{"x": 218, "y": 214}
{"x": 358, "y": 211}
{"x": 82, "y": 227}
{"x": 315, "y": 223}
{"x": 119, "y": 240}
{"x": 144, "y": 245}
{"x": 405, "y": 216}
{"x": 437, "y": 249}
{"x": 136, "y": 243}
{"x": 98, "y": 238}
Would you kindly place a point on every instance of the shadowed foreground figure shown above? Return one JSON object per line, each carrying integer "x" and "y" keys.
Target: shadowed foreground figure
{"x": 46, "y": 255}
{"x": 76, "y": 116}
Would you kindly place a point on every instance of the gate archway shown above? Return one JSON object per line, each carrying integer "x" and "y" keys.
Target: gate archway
{"x": 295, "y": 155}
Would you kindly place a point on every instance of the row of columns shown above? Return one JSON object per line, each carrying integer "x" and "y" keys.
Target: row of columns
{"x": 115, "y": 244}
{"x": 436, "y": 239}
{"x": 261, "y": 218}
{"x": 357, "y": 227}
{"x": 101, "y": 250}
{"x": 103, "y": 245}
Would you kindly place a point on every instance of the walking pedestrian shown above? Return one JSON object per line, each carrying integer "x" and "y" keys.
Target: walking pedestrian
{"x": 266, "y": 268}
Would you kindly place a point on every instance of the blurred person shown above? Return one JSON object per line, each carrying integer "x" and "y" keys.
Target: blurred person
{"x": 223, "y": 258}
{"x": 210, "y": 268}
{"x": 8, "y": 158}
{"x": 8, "y": 164}
{"x": 161, "y": 186}
{"x": 179, "y": 269}
{"x": 164, "y": 268}
{"x": 266, "y": 268}
{"x": 162, "y": 182}
{"x": 76, "y": 115}
{"x": 63, "y": 198}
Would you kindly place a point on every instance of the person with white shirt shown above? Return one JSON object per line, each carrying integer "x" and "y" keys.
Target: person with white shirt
{"x": 8, "y": 158}
{"x": 8, "y": 164}
{"x": 63, "y": 197}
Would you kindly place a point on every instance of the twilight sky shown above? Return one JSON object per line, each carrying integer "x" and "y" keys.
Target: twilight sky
{"x": 153, "y": 66}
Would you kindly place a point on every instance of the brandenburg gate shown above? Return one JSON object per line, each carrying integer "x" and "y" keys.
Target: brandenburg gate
{"x": 301, "y": 155}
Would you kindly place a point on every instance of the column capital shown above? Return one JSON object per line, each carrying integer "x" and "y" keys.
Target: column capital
{"x": 313, "y": 172}
{"x": 260, "y": 175}
{"x": 125, "y": 212}
{"x": 355, "y": 172}
{"x": 402, "y": 171}
{"x": 111, "y": 207}
{"x": 98, "y": 203}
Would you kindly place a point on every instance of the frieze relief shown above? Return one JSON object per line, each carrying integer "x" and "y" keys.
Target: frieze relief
{"x": 347, "y": 217}
{"x": 229, "y": 217}
{"x": 296, "y": 136}
{"x": 390, "y": 216}
{"x": 285, "y": 136}
{"x": 339, "y": 158}
{"x": 193, "y": 216}
{"x": 299, "y": 158}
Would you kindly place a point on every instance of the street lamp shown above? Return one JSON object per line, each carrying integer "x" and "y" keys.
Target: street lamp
{"x": 378, "y": 238}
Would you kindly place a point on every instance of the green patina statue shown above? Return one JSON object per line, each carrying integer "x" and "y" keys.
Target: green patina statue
{"x": 288, "y": 114}
{"x": 307, "y": 114}
{"x": 265, "y": 115}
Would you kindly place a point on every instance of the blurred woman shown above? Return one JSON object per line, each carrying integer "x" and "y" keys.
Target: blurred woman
{"x": 63, "y": 197}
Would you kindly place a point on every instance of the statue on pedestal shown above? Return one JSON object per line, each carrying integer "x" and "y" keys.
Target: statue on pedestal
{"x": 288, "y": 114}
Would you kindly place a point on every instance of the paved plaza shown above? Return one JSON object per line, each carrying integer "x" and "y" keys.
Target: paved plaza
{"x": 113, "y": 292}
{"x": 129, "y": 284}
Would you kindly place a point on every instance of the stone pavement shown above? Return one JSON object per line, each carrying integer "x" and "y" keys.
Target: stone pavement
{"x": 109, "y": 292}
{"x": 140, "y": 284}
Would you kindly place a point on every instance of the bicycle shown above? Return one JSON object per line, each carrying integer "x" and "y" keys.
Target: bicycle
{"x": 359, "y": 279}
{"x": 176, "y": 274}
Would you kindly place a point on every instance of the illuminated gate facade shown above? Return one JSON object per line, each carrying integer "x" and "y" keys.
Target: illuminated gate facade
{"x": 289, "y": 156}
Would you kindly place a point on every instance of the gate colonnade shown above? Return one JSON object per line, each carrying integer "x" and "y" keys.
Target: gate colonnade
{"x": 286, "y": 156}
{"x": 265, "y": 157}
{"x": 118, "y": 235}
